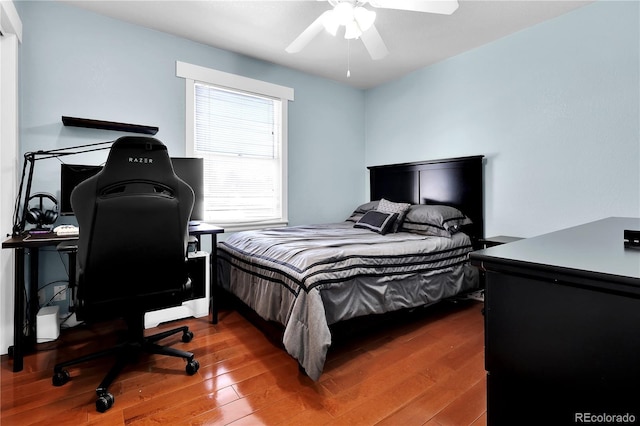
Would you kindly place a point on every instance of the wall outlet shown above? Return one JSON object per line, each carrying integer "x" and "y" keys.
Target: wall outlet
{"x": 59, "y": 293}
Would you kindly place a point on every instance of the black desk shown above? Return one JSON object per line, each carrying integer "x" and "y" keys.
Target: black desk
{"x": 32, "y": 244}
{"x": 562, "y": 314}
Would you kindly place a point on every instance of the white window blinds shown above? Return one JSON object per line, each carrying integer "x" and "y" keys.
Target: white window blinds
{"x": 239, "y": 137}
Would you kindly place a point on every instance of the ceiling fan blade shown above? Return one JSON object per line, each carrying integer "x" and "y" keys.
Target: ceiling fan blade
{"x": 374, "y": 43}
{"x": 308, "y": 34}
{"x": 443, "y": 7}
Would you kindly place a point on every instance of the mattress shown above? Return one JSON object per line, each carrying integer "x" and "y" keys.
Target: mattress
{"x": 309, "y": 277}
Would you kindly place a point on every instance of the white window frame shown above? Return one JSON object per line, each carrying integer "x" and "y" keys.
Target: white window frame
{"x": 198, "y": 74}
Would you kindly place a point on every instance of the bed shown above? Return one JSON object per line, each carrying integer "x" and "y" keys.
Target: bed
{"x": 307, "y": 278}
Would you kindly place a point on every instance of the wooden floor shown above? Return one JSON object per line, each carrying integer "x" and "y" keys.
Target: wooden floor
{"x": 426, "y": 368}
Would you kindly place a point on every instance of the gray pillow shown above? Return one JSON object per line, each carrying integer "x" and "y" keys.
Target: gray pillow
{"x": 437, "y": 220}
{"x": 362, "y": 209}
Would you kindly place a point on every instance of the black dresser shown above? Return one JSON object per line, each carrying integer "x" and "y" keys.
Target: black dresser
{"x": 562, "y": 327}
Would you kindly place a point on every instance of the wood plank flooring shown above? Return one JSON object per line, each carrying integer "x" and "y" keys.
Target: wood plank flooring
{"x": 420, "y": 368}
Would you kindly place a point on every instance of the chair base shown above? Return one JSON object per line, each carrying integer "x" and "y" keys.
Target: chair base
{"x": 127, "y": 352}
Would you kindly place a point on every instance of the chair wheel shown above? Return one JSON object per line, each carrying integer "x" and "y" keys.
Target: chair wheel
{"x": 60, "y": 378}
{"x": 187, "y": 336}
{"x": 192, "y": 367}
{"x": 104, "y": 402}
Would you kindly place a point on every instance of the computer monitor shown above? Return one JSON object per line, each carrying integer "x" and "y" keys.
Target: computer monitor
{"x": 191, "y": 170}
{"x": 70, "y": 176}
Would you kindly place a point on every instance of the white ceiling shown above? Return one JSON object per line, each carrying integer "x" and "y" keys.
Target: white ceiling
{"x": 263, "y": 29}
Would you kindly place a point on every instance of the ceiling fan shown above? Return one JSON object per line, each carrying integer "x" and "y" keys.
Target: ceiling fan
{"x": 358, "y": 21}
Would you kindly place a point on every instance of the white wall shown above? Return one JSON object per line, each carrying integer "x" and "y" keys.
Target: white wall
{"x": 554, "y": 108}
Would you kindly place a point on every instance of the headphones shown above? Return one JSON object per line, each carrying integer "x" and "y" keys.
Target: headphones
{"x": 40, "y": 216}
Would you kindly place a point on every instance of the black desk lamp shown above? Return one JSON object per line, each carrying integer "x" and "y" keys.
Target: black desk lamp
{"x": 29, "y": 161}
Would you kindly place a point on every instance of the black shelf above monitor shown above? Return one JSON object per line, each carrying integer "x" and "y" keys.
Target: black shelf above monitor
{"x": 108, "y": 125}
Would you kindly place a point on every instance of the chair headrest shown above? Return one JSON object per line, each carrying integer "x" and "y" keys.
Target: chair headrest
{"x": 137, "y": 157}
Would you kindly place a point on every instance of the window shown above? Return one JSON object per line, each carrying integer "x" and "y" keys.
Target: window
{"x": 238, "y": 126}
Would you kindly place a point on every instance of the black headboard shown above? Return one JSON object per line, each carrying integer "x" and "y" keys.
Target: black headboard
{"x": 456, "y": 182}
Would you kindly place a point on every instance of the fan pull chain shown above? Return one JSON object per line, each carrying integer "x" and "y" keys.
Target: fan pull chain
{"x": 348, "y": 58}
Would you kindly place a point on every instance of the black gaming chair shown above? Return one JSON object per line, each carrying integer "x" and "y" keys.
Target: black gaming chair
{"x": 132, "y": 251}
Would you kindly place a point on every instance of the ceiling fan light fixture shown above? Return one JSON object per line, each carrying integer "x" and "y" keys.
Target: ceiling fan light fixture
{"x": 352, "y": 31}
{"x": 343, "y": 13}
{"x": 330, "y": 22}
{"x": 364, "y": 17}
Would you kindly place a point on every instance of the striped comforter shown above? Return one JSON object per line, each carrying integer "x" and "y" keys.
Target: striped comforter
{"x": 308, "y": 277}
